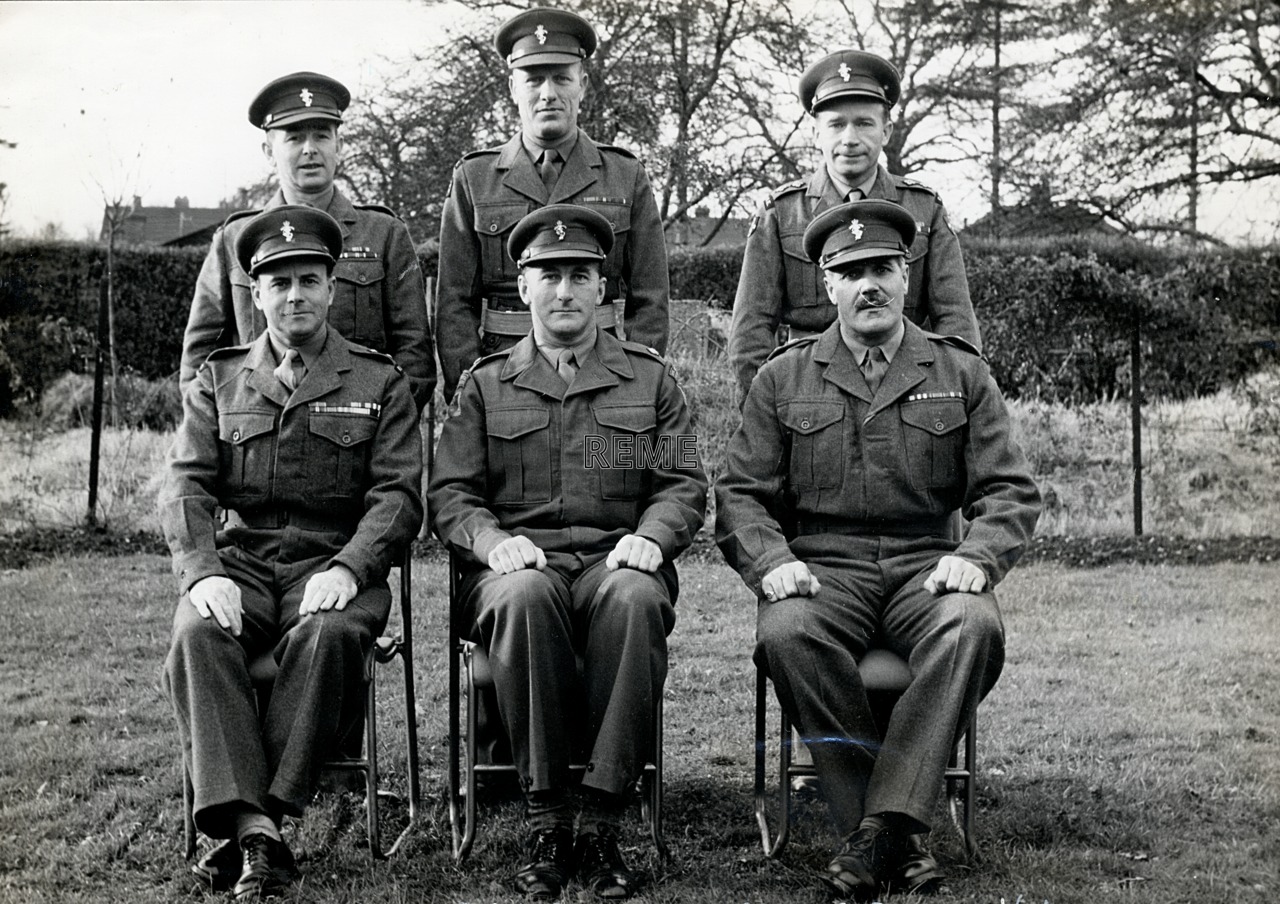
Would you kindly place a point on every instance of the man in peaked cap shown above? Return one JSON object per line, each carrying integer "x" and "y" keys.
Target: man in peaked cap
{"x": 864, "y": 440}
{"x": 310, "y": 445}
{"x": 849, "y": 94}
{"x": 550, "y": 161}
{"x": 567, "y": 525}
{"x": 380, "y": 299}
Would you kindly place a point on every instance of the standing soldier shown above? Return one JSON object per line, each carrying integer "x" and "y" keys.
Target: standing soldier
{"x": 849, "y": 94}
{"x": 380, "y": 300}
{"x": 551, "y": 161}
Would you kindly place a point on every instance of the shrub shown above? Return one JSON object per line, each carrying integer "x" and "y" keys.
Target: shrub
{"x": 140, "y": 404}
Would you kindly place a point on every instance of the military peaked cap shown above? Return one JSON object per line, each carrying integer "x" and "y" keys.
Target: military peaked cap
{"x": 560, "y": 232}
{"x": 288, "y": 231}
{"x": 543, "y": 36}
{"x": 298, "y": 97}
{"x": 852, "y": 74}
{"x": 858, "y": 230}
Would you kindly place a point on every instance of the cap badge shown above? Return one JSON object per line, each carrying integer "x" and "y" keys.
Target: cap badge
{"x": 844, "y": 72}
{"x": 306, "y": 97}
{"x": 541, "y": 34}
{"x": 286, "y": 230}
{"x": 856, "y": 227}
{"x": 559, "y": 230}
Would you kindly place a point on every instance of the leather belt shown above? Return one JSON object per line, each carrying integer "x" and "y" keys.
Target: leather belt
{"x": 499, "y": 322}
{"x": 787, "y": 333}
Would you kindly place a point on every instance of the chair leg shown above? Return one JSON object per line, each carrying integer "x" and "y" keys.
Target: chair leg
{"x": 772, "y": 844}
{"x": 188, "y": 813}
{"x": 651, "y": 801}
{"x": 371, "y": 767}
{"x": 464, "y": 839}
{"x": 962, "y": 787}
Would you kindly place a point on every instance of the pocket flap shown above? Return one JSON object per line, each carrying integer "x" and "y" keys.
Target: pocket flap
{"x": 241, "y": 426}
{"x": 631, "y": 418}
{"x": 344, "y": 429}
{"x": 362, "y": 273}
{"x": 809, "y": 417}
{"x": 937, "y": 416}
{"x": 509, "y": 423}
{"x": 793, "y": 246}
{"x": 618, "y": 215}
{"x": 496, "y": 219}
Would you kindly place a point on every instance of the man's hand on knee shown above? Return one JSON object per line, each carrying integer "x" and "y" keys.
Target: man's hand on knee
{"x": 330, "y": 589}
{"x": 515, "y": 554}
{"x": 632, "y": 551}
{"x": 218, "y": 596}
{"x": 956, "y": 575}
{"x": 789, "y": 579}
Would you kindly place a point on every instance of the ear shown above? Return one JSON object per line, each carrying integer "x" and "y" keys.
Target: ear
{"x": 253, "y": 290}
{"x": 522, "y": 284}
{"x": 826, "y": 281}
{"x": 269, "y": 153}
{"x": 333, "y": 288}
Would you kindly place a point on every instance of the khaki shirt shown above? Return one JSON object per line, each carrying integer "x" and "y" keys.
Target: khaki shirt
{"x": 817, "y": 462}
{"x": 380, "y": 300}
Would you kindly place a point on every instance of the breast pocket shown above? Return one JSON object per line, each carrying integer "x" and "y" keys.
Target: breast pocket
{"x": 493, "y": 224}
{"x": 631, "y": 449}
{"x": 357, "y": 312}
{"x": 804, "y": 289}
{"x": 817, "y": 443}
{"x": 338, "y": 460}
{"x": 519, "y": 455}
{"x": 246, "y": 441}
{"x": 934, "y": 432}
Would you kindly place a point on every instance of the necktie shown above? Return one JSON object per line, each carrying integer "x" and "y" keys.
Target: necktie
{"x": 547, "y": 168}
{"x": 873, "y": 367}
{"x": 565, "y": 367}
{"x": 291, "y": 369}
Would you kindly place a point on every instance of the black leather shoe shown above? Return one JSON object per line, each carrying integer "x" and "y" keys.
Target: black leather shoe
{"x": 916, "y": 871}
{"x": 268, "y": 868}
{"x": 868, "y": 859}
{"x": 550, "y": 862}
{"x": 219, "y": 869}
{"x": 601, "y": 867}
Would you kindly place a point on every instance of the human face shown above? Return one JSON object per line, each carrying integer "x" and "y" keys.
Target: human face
{"x": 294, "y": 296}
{"x": 869, "y": 296}
{"x": 548, "y": 98}
{"x": 305, "y": 157}
{"x": 851, "y": 134}
{"x": 562, "y": 296}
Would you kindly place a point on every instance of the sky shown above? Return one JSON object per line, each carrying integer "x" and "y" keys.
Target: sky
{"x": 152, "y": 98}
{"x": 110, "y": 99}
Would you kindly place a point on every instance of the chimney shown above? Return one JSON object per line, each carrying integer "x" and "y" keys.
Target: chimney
{"x": 182, "y": 203}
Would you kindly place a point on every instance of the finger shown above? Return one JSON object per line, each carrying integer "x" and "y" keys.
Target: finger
{"x": 931, "y": 583}
{"x": 343, "y": 598}
{"x": 611, "y": 560}
{"x": 979, "y": 581}
{"x": 787, "y": 585}
{"x": 201, "y": 606}
{"x": 814, "y": 584}
{"x": 215, "y": 607}
{"x": 802, "y": 582}
{"x": 528, "y": 554}
{"x": 635, "y": 555}
{"x": 542, "y": 559}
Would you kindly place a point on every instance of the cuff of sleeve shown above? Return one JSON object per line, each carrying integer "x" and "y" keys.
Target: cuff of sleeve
{"x": 362, "y": 570}
{"x": 661, "y": 535}
{"x": 486, "y": 542}
{"x": 197, "y": 569}
{"x": 766, "y": 564}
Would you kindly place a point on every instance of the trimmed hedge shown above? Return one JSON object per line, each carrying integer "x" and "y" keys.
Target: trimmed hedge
{"x": 1056, "y": 314}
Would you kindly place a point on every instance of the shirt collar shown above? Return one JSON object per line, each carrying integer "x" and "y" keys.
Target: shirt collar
{"x": 843, "y": 188}
{"x": 889, "y": 347}
{"x": 308, "y": 352}
{"x": 564, "y": 147}
{"x": 580, "y": 351}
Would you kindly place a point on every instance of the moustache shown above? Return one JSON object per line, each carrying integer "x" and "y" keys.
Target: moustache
{"x": 877, "y": 301}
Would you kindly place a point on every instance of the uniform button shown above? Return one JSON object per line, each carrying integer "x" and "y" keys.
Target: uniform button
{"x": 235, "y": 435}
{"x": 591, "y": 767}
{"x": 493, "y": 227}
{"x": 939, "y": 426}
{"x": 346, "y": 437}
{"x": 804, "y": 425}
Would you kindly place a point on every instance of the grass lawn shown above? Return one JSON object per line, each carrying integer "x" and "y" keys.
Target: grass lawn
{"x": 1131, "y": 751}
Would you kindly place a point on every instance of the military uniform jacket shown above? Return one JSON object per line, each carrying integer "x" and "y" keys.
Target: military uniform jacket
{"x": 817, "y": 462}
{"x": 573, "y": 470}
{"x": 380, "y": 300}
{"x": 779, "y": 284}
{"x": 493, "y": 189}
{"x": 341, "y": 453}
